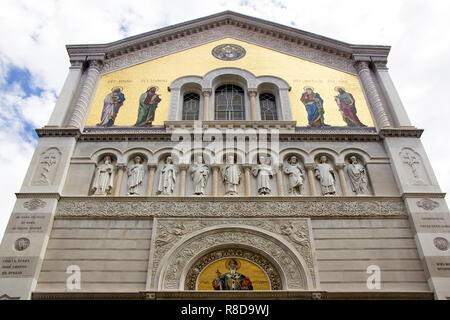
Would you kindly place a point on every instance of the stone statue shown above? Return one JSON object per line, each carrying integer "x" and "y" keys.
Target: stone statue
{"x": 167, "y": 178}
{"x": 135, "y": 176}
{"x": 358, "y": 176}
{"x": 104, "y": 178}
{"x": 295, "y": 173}
{"x": 199, "y": 174}
{"x": 231, "y": 175}
{"x": 263, "y": 173}
{"x": 326, "y": 175}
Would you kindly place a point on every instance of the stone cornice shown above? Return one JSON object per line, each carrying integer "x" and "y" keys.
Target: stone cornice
{"x": 22, "y": 195}
{"x": 148, "y": 207}
{"x": 423, "y": 195}
{"x": 234, "y": 295}
{"x": 58, "y": 132}
{"x": 288, "y": 131}
{"x": 401, "y": 132}
{"x": 228, "y": 18}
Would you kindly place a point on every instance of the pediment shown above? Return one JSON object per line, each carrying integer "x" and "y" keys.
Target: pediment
{"x": 159, "y": 43}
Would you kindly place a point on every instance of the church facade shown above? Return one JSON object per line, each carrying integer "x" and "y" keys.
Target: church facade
{"x": 228, "y": 157}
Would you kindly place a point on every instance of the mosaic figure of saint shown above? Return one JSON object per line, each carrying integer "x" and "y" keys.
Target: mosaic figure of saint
{"x": 111, "y": 105}
{"x": 232, "y": 280}
{"x": 346, "y": 104}
{"x": 314, "y": 106}
{"x": 148, "y": 102}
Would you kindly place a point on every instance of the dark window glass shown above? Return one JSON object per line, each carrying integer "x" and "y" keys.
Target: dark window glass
{"x": 268, "y": 106}
{"x": 229, "y": 103}
{"x": 191, "y": 106}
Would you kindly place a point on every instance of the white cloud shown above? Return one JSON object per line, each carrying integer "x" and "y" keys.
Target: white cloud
{"x": 33, "y": 35}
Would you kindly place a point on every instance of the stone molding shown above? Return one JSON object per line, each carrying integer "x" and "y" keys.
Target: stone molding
{"x": 233, "y": 295}
{"x": 104, "y": 207}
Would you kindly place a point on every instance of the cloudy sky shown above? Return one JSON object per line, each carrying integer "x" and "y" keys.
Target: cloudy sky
{"x": 34, "y": 62}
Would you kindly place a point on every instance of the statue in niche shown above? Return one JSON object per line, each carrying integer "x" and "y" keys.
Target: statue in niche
{"x": 231, "y": 175}
{"x": 263, "y": 173}
{"x": 326, "y": 175}
{"x": 47, "y": 167}
{"x": 135, "y": 174}
{"x": 148, "y": 102}
{"x": 111, "y": 105}
{"x": 346, "y": 104}
{"x": 295, "y": 173}
{"x": 358, "y": 176}
{"x": 199, "y": 174}
{"x": 167, "y": 178}
{"x": 104, "y": 178}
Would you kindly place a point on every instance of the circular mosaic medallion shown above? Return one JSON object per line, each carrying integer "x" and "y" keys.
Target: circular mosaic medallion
{"x": 21, "y": 244}
{"x": 228, "y": 52}
{"x": 441, "y": 243}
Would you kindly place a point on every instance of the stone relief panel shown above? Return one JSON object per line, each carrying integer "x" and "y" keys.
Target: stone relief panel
{"x": 413, "y": 167}
{"x": 47, "y": 167}
{"x": 283, "y": 240}
{"x": 233, "y": 207}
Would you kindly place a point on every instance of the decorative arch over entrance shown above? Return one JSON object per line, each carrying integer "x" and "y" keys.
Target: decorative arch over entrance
{"x": 179, "y": 246}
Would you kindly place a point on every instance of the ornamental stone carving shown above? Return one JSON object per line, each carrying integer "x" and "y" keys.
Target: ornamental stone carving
{"x": 47, "y": 168}
{"x": 427, "y": 204}
{"x": 413, "y": 165}
{"x": 441, "y": 243}
{"x": 34, "y": 204}
{"x": 233, "y": 207}
{"x": 189, "y": 41}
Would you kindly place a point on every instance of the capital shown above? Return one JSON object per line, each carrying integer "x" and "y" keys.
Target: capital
{"x": 206, "y": 92}
{"x": 340, "y": 165}
{"x": 76, "y": 64}
{"x": 96, "y": 64}
{"x": 361, "y": 66}
{"x": 252, "y": 92}
{"x": 152, "y": 166}
{"x": 309, "y": 166}
{"x": 380, "y": 65}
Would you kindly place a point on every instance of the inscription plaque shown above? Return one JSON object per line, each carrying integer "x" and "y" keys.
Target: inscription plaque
{"x": 17, "y": 267}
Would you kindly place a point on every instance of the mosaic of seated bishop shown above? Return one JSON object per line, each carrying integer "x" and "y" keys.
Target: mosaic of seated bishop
{"x": 232, "y": 280}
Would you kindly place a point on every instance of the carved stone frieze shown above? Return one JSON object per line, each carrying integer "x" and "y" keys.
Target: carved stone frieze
{"x": 231, "y": 207}
{"x": 196, "y": 39}
{"x": 175, "y": 245}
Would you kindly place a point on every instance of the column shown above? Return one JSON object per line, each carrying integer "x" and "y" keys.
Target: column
{"x": 183, "y": 169}
{"x": 370, "y": 88}
{"x": 118, "y": 184}
{"x": 215, "y": 180}
{"x": 247, "y": 181}
{"x": 67, "y": 94}
{"x": 340, "y": 167}
{"x": 151, "y": 178}
{"x": 252, "y": 94}
{"x": 310, "y": 171}
{"x": 87, "y": 89}
{"x": 280, "y": 181}
{"x": 206, "y": 101}
{"x": 387, "y": 86}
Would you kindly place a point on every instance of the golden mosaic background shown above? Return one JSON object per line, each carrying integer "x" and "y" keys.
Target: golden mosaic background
{"x": 199, "y": 60}
{"x": 249, "y": 269}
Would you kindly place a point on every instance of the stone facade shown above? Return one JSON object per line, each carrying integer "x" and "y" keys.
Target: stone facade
{"x": 142, "y": 227}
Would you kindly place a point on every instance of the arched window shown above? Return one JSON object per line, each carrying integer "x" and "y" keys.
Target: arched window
{"x": 191, "y": 106}
{"x": 268, "y": 106}
{"x": 229, "y": 103}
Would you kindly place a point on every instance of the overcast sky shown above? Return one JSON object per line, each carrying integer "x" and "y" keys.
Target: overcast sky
{"x": 34, "y": 62}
